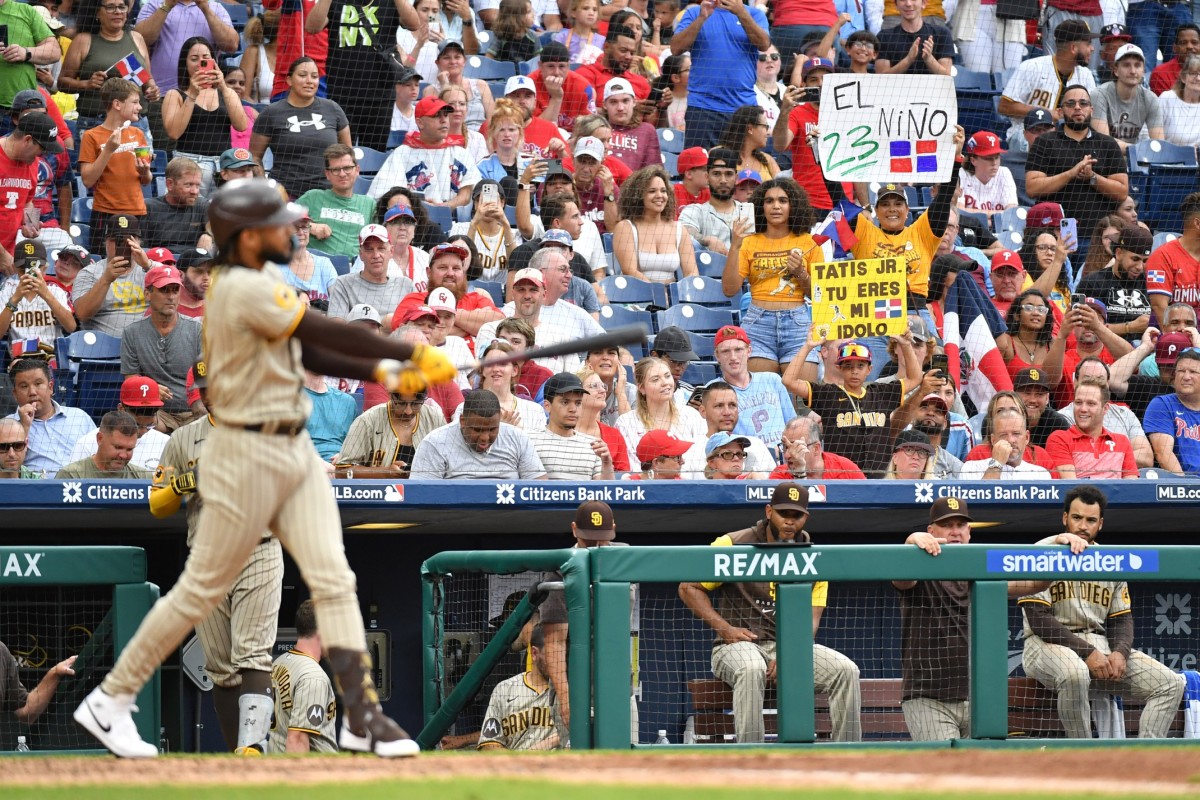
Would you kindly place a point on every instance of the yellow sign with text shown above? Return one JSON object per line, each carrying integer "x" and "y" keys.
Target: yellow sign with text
{"x": 856, "y": 299}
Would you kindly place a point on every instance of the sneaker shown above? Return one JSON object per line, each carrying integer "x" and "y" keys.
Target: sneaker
{"x": 110, "y": 720}
{"x": 397, "y": 748}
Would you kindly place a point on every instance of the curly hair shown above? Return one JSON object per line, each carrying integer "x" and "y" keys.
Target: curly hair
{"x": 800, "y": 213}
{"x": 1013, "y": 317}
{"x": 506, "y": 111}
{"x": 1029, "y": 259}
{"x": 631, "y": 205}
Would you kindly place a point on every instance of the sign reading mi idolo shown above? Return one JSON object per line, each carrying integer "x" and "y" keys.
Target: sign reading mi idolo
{"x": 887, "y": 128}
{"x": 852, "y": 299}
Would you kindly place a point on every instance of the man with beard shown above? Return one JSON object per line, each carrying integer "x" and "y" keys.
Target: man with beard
{"x": 521, "y": 713}
{"x": 194, "y": 266}
{"x": 620, "y": 48}
{"x": 933, "y": 419}
{"x": 711, "y": 223}
{"x": 744, "y": 620}
{"x": 567, "y": 454}
{"x": 478, "y": 447}
{"x": 429, "y": 161}
{"x": 177, "y": 219}
{"x": 1122, "y": 287}
{"x": 634, "y": 142}
{"x": 448, "y": 268}
{"x": 1039, "y": 82}
{"x": 1031, "y": 384}
{"x": 1078, "y": 168}
{"x": 1093, "y": 339}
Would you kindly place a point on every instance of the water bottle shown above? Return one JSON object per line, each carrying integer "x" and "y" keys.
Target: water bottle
{"x": 21, "y": 746}
{"x": 662, "y": 738}
{"x": 164, "y": 746}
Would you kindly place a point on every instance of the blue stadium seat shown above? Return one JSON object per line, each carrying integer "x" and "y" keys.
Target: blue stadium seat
{"x": 81, "y": 210}
{"x": 1015, "y": 162}
{"x": 489, "y": 69}
{"x": 670, "y": 140}
{"x": 341, "y": 264}
{"x": 670, "y": 162}
{"x": 710, "y": 264}
{"x": 1010, "y": 239}
{"x": 93, "y": 345}
{"x": 698, "y": 290}
{"x": 81, "y": 234}
{"x": 510, "y": 214}
{"x": 369, "y": 161}
{"x": 606, "y": 241}
{"x": 441, "y": 216}
{"x": 1010, "y": 219}
{"x": 98, "y": 387}
{"x": 526, "y": 67}
{"x": 158, "y": 163}
{"x": 967, "y": 81}
{"x": 702, "y": 345}
{"x": 623, "y": 291}
{"x": 362, "y": 184}
{"x": 698, "y": 374}
{"x": 612, "y": 317}
{"x": 395, "y": 139}
{"x": 976, "y": 101}
{"x": 1164, "y": 237}
{"x": 238, "y": 15}
{"x": 494, "y": 288}
{"x": 160, "y": 185}
{"x": 1172, "y": 172}
{"x": 698, "y": 319}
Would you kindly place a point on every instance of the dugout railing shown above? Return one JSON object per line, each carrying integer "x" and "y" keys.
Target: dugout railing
{"x": 598, "y": 583}
{"x": 81, "y": 601}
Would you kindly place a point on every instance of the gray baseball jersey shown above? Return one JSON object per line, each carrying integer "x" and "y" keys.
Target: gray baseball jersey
{"x": 372, "y": 442}
{"x": 519, "y": 717}
{"x": 1083, "y": 606}
{"x": 303, "y": 702}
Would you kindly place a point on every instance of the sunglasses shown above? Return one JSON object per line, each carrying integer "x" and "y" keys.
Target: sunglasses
{"x": 854, "y": 351}
{"x": 764, "y": 57}
{"x": 16, "y": 446}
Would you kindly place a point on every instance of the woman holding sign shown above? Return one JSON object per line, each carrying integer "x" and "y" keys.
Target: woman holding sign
{"x": 776, "y": 261}
{"x": 102, "y": 41}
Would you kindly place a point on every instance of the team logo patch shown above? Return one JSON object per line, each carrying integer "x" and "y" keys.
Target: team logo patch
{"x": 491, "y": 728}
{"x": 285, "y": 296}
{"x": 316, "y": 715}
{"x": 72, "y": 492}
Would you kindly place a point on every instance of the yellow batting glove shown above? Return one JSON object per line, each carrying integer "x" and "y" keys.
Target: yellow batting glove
{"x": 397, "y": 377}
{"x": 433, "y": 364}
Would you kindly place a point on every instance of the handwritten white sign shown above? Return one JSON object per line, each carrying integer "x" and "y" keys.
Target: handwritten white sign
{"x": 887, "y": 128}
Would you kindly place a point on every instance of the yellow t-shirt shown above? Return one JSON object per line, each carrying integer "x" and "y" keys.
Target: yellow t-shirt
{"x": 763, "y": 262}
{"x": 915, "y": 245}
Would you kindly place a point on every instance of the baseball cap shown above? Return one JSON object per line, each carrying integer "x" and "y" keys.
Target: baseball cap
{"x": 1044, "y": 215}
{"x": 1073, "y": 30}
{"x": 615, "y": 87}
{"x": 891, "y": 189}
{"x": 1126, "y": 50}
{"x": 430, "y": 107}
{"x": 122, "y": 225}
{"x": 373, "y": 232}
{"x": 30, "y": 253}
{"x": 920, "y": 331}
{"x": 448, "y": 247}
{"x": 448, "y": 43}
{"x": 1136, "y": 239}
{"x": 27, "y": 99}
{"x": 656, "y": 444}
{"x": 1037, "y": 118}
{"x": 555, "y": 53}
{"x": 442, "y": 299}
{"x": 913, "y": 438}
{"x": 364, "y": 313}
{"x": 1030, "y": 376}
{"x": 947, "y": 507}
{"x": 78, "y": 251}
{"x": 1169, "y": 346}
{"x": 530, "y": 274}
{"x": 673, "y": 342}
{"x": 789, "y": 496}
{"x": 723, "y": 157}
{"x": 163, "y": 275}
{"x": 557, "y": 237}
{"x": 1115, "y": 30}
{"x": 749, "y": 175}
{"x": 729, "y": 333}
{"x": 1099, "y": 306}
{"x": 398, "y": 211}
{"x": 194, "y": 258}
{"x": 590, "y": 146}
{"x": 48, "y": 18}
{"x": 200, "y": 374}
{"x": 720, "y": 439}
{"x": 518, "y": 83}
{"x": 853, "y": 351}
{"x": 594, "y": 521}
{"x": 815, "y": 63}
{"x": 414, "y": 313}
{"x": 138, "y": 391}
{"x": 562, "y": 383}
{"x": 984, "y": 143}
{"x": 933, "y": 397}
{"x": 1007, "y": 259}
{"x": 162, "y": 255}
{"x": 692, "y": 158}
{"x": 406, "y": 74}
{"x": 236, "y": 158}
{"x": 41, "y": 129}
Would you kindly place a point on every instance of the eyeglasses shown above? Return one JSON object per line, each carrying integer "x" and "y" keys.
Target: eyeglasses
{"x": 1031, "y": 308}
{"x": 768, "y": 57}
{"x": 1046, "y": 248}
{"x": 914, "y": 452}
{"x": 114, "y": 9}
{"x": 1185, "y": 75}
{"x": 759, "y": 125}
{"x": 18, "y": 447}
{"x": 1077, "y": 104}
{"x": 862, "y": 45}
{"x": 676, "y": 459}
{"x": 407, "y": 403}
{"x": 730, "y": 455}
{"x": 854, "y": 351}
{"x": 307, "y": 226}
{"x": 342, "y": 170}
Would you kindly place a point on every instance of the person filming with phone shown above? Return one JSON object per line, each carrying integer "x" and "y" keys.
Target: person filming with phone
{"x": 1078, "y": 168}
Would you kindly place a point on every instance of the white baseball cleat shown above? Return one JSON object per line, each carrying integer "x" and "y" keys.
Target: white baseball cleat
{"x": 110, "y": 720}
{"x": 397, "y": 748}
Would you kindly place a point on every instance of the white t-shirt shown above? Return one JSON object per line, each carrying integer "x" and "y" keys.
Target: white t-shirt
{"x": 688, "y": 426}
{"x": 146, "y": 454}
{"x": 1181, "y": 121}
{"x": 588, "y": 245}
{"x": 996, "y": 195}
{"x": 455, "y": 348}
{"x": 33, "y": 318}
{"x": 426, "y": 58}
{"x": 439, "y": 173}
{"x": 418, "y": 274}
{"x": 401, "y": 122}
{"x": 758, "y": 459}
{"x": 1036, "y": 83}
{"x": 560, "y": 322}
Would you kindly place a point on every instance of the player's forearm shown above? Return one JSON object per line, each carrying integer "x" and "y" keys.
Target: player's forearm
{"x": 298, "y": 741}
{"x": 1119, "y": 630}
{"x": 38, "y": 699}
{"x": 697, "y": 601}
{"x": 1051, "y": 630}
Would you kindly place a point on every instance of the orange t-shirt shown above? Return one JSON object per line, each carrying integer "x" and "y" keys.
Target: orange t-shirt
{"x": 119, "y": 190}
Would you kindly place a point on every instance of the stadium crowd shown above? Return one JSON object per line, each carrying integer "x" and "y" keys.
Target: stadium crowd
{"x": 514, "y": 175}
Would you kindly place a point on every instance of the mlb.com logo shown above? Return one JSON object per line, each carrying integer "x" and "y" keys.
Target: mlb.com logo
{"x": 762, "y": 494}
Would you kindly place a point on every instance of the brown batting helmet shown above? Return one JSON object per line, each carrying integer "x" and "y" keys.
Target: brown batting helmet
{"x": 248, "y": 203}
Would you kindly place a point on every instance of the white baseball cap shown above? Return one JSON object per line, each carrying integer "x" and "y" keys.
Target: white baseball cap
{"x": 590, "y": 146}
{"x": 617, "y": 86}
{"x": 530, "y": 274}
{"x": 373, "y": 232}
{"x": 518, "y": 82}
{"x": 442, "y": 299}
{"x": 1128, "y": 50}
{"x": 363, "y": 313}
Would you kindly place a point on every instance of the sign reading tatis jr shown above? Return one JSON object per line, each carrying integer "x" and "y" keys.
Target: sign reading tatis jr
{"x": 853, "y": 299}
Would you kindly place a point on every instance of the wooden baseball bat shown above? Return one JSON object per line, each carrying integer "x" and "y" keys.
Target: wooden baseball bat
{"x": 627, "y": 334}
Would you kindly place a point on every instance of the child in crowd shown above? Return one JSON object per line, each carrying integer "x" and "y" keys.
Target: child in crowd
{"x": 583, "y": 42}
{"x": 693, "y": 166}
{"x": 108, "y": 160}
{"x": 512, "y": 35}
{"x": 665, "y": 12}
{"x": 862, "y": 47}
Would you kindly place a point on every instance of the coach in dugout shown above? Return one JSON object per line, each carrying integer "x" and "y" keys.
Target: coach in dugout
{"x": 27, "y": 706}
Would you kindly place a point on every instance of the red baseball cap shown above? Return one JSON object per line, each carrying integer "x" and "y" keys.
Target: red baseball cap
{"x": 161, "y": 255}
{"x": 430, "y": 107}
{"x": 161, "y": 276}
{"x": 984, "y": 143}
{"x": 140, "y": 392}
{"x": 1007, "y": 259}
{"x": 1044, "y": 215}
{"x": 660, "y": 443}
{"x": 692, "y": 158}
{"x": 416, "y": 312}
{"x": 730, "y": 333}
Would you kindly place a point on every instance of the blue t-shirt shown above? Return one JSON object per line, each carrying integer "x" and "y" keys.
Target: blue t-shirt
{"x": 332, "y": 414}
{"x": 724, "y": 61}
{"x": 317, "y": 286}
{"x": 1166, "y": 414}
{"x": 764, "y": 408}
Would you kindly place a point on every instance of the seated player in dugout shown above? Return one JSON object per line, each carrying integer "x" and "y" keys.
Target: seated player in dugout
{"x": 522, "y": 713}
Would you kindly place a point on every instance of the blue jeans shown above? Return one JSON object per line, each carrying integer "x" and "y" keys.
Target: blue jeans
{"x": 778, "y": 335}
{"x": 703, "y": 128}
{"x": 1153, "y": 27}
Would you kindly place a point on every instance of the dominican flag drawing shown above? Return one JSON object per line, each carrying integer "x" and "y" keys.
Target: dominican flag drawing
{"x": 131, "y": 68}
{"x": 838, "y": 227}
{"x": 889, "y": 309}
{"x": 970, "y": 322}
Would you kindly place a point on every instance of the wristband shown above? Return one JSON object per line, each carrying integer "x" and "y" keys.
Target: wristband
{"x": 468, "y": 23}
{"x": 9, "y": 305}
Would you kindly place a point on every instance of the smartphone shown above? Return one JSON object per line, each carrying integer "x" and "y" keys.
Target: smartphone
{"x": 554, "y": 165}
{"x": 1069, "y": 231}
{"x": 1078, "y": 299}
{"x": 124, "y": 251}
{"x": 489, "y": 193}
{"x": 940, "y": 362}
{"x": 812, "y": 94}
{"x": 656, "y": 95}
{"x": 435, "y": 26}
{"x": 205, "y": 63}
{"x": 4, "y": 35}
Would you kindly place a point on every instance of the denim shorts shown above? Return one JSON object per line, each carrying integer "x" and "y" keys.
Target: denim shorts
{"x": 778, "y": 335}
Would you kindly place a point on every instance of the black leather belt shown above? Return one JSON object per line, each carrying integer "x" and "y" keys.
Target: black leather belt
{"x": 275, "y": 428}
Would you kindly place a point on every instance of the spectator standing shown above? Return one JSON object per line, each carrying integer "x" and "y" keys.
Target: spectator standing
{"x": 260, "y": 56}
{"x": 178, "y": 219}
{"x": 30, "y": 307}
{"x": 52, "y": 429}
{"x": 1156, "y": 25}
{"x": 408, "y": 89}
{"x": 796, "y": 129}
{"x": 101, "y": 40}
{"x": 337, "y": 213}
{"x": 749, "y": 132}
{"x": 371, "y": 286}
{"x": 1181, "y": 105}
{"x": 1124, "y": 108}
{"x": 1173, "y": 420}
{"x": 1082, "y": 15}
{"x": 724, "y": 38}
{"x": 987, "y": 42}
{"x": 1173, "y": 270}
{"x": 31, "y": 43}
{"x": 1041, "y": 82}
{"x": 429, "y": 161}
{"x": 165, "y": 25}
{"x": 764, "y": 406}
{"x": 451, "y": 61}
{"x": 295, "y": 41}
{"x": 914, "y": 47}
{"x": 108, "y": 157}
{"x": 582, "y": 41}
{"x": 1187, "y": 43}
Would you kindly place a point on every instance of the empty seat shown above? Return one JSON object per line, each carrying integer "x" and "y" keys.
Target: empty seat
{"x": 612, "y": 317}
{"x": 489, "y": 69}
{"x": 699, "y": 290}
{"x": 369, "y": 160}
{"x": 670, "y": 140}
{"x": 699, "y": 319}
{"x": 623, "y": 290}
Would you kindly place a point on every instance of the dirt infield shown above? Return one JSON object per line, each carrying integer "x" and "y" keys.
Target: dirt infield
{"x": 1125, "y": 771}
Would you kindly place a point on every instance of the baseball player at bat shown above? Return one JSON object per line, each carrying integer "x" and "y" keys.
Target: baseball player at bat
{"x": 521, "y": 714}
{"x": 1079, "y": 638}
{"x": 238, "y": 635}
{"x": 264, "y": 472}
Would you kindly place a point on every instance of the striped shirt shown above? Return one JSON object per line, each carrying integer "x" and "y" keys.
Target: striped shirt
{"x": 566, "y": 457}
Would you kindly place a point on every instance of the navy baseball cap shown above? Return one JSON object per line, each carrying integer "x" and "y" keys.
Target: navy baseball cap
{"x": 1039, "y": 116}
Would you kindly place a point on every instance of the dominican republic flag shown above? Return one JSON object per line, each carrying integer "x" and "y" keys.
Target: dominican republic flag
{"x": 838, "y": 227}
{"x": 970, "y": 322}
{"x": 24, "y": 347}
{"x": 889, "y": 309}
{"x": 132, "y": 69}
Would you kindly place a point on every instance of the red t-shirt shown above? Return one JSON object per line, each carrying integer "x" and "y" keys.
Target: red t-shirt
{"x": 1108, "y": 456}
{"x": 805, "y": 12}
{"x": 17, "y": 184}
{"x": 682, "y": 198}
{"x": 1071, "y": 360}
{"x": 597, "y": 74}
{"x": 1163, "y": 78}
{"x": 636, "y": 147}
{"x": 532, "y": 376}
{"x": 1033, "y": 454}
{"x": 837, "y": 468}
{"x": 292, "y": 40}
{"x": 1172, "y": 271}
{"x": 616, "y": 447}
{"x": 801, "y": 122}
{"x": 471, "y": 301}
{"x": 579, "y": 98}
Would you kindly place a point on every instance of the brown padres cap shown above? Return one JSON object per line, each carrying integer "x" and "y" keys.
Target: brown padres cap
{"x": 789, "y": 496}
{"x": 594, "y": 520}
{"x": 947, "y": 507}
